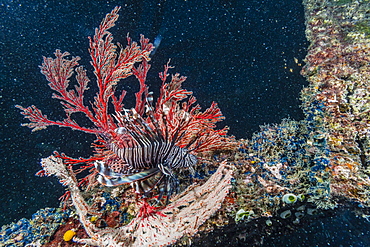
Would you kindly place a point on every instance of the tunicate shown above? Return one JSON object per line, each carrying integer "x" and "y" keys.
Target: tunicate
{"x": 289, "y": 198}
{"x": 268, "y": 222}
{"x": 301, "y": 197}
{"x": 299, "y": 215}
{"x": 311, "y": 211}
{"x": 286, "y": 214}
{"x": 242, "y": 213}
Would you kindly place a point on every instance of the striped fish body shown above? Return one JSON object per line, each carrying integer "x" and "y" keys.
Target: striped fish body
{"x": 148, "y": 156}
{"x": 151, "y": 159}
{"x": 151, "y": 166}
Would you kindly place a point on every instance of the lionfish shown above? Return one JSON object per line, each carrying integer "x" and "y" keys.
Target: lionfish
{"x": 147, "y": 158}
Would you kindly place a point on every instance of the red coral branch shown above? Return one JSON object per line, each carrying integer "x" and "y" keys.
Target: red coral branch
{"x": 58, "y": 72}
{"x": 178, "y": 116}
{"x": 110, "y": 68}
{"x": 141, "y": 73}
{"x": 72, "y": 161}
{"x": 40, "y": 121}
{"x": 109, "y": 65}
{"x": 147, "y": 210}
{"x": 118, "y": 102}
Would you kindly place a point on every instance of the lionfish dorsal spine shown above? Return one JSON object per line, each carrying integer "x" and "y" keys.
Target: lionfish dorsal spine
{"x": 150, "y": 113}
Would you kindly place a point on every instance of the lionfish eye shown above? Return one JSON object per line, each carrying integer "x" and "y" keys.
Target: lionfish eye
{"x": 121, "y": 130}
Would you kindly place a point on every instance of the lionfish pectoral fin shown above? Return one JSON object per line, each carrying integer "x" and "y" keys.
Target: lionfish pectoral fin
{"x": 116, "y": 181}
{"x": 168, "y": 185}
{"x": 105, "y": 171}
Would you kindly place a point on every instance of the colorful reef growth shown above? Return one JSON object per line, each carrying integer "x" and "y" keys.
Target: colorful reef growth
{"x": 339, "y": 75}
{"x": 309, "y": 167}
{"x": 155, "y": 148}
{"x": 163, "y": 174}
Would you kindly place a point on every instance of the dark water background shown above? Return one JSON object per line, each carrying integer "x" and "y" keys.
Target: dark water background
{"x": 237, "y": 53}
